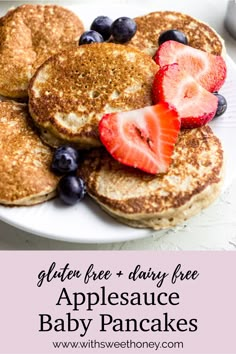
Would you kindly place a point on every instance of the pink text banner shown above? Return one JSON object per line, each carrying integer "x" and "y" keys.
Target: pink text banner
{"x": 118, "y": 302}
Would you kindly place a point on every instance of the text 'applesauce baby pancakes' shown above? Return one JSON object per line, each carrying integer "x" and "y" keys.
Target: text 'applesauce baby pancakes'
{"x": 199, "y": 34}
{"x": 25, "y": 176}
{"x": 29, "y": 35}
{"x": 72, "y": 90}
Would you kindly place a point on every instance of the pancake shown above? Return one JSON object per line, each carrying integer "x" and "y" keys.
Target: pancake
{"x": 138, "y": 199}
{"x": 25, "y": 177}
{"x": 200, "y": 35}
{"x": 72, "y": 90}
{"x": 29, "y": 35}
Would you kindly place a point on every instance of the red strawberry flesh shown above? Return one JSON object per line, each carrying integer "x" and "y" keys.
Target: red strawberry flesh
{"x": 143, "y": 138}
{"x": 208, "y": 69}
{"x": 195, "y": 105}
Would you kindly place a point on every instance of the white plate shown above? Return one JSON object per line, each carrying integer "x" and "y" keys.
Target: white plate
{"x": 86, "y": 222}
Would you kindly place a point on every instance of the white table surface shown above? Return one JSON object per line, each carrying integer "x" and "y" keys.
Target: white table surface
{"x": 213, "y": 229}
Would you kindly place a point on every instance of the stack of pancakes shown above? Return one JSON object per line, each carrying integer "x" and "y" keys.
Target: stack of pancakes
{"x": 70, "y": 88}
{"x": 29, "y": 35}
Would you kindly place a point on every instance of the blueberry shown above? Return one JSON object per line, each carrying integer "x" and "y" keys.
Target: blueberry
{"x": 222, "y": 104}
{"x": 172, "y": 35}
{"x": 123, "y": 29}
{"x": 90, "y": 37}
{"x": 65, "y": 160}
{"x": 102, "y": 25}
{"x": 71, "y": 189}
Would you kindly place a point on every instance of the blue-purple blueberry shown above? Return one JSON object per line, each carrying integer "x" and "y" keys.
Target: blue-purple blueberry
{"x": 102, "y": 25}
{"x": 172, "y": 35}
{"x": 65, "y": 160}
{"x": 222, "y": 104}
{"x": 123, "y": 29}
{"x": 71, "y": 189}
{"x": 89, "y": 37}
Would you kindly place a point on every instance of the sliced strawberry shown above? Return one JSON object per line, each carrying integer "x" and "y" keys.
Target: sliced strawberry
{"x": 143, "y": 138}
{"x": 208, "y": 69}
{"x": 195, "y": 105}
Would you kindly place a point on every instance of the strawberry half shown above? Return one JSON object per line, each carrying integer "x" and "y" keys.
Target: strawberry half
{"x": 143, "y": 138}
{"x": 208, "y": 69}
{"x": 195, "y": 105}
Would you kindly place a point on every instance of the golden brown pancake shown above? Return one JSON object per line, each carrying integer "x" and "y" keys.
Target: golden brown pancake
{"x": 138, "y": 199}
{"x": 29, "y": 35}
{"x": 25, "y": 176}
{"x": 200, "y": 35}
{"x": 72, "y": 90}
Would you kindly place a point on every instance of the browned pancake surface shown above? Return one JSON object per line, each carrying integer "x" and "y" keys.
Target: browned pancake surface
{"x": 71, "y": 91}
{"x": 199, "y": 34}
{"x": 25, "y": 176}
{"x": 158, "y": 201}
{"x": 29, "y": 35}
